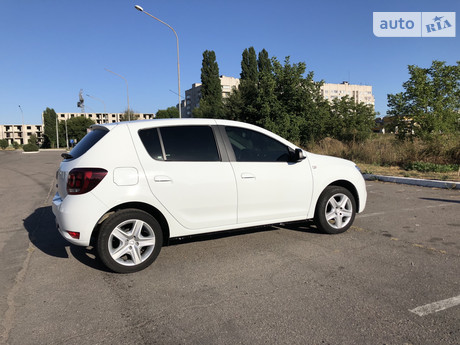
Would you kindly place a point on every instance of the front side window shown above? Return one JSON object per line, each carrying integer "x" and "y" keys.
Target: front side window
{"x": 181, "y": 143}
{"x": 252, "y": 146}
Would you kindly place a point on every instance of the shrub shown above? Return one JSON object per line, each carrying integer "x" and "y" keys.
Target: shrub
{"x": 3, "y": 144}
{"x": 431, "y": 167}
{"x": 30, "y": 147}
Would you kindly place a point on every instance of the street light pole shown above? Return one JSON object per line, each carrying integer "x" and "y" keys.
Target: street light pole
{"x": 139, "y": 8}
{"x": 127, "y": 90}
{"x": 22, "y": 113}
{"x": 66, "y": 136}
{"x": 57, "y": 132}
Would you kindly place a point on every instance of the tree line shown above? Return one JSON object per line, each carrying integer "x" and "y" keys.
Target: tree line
{"x": 76, "y": 128}
{"x": 282, "y": 98}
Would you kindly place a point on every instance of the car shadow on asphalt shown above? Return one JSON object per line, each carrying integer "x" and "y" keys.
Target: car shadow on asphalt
{"x": 44, "y": 235}
{"x": 302, "y": 226}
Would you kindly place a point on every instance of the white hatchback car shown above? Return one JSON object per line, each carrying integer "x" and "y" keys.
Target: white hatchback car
{"x": 127, "y": 188}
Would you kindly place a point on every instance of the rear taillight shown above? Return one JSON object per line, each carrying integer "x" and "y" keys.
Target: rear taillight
{"x": 83, "y": 180}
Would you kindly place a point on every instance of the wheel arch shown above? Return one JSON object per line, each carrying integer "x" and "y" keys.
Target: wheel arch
{"x": 139, "y": 206}
{"x": 349, "y": 186}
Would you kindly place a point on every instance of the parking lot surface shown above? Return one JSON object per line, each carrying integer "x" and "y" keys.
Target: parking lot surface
{"x": 393, "y": 278}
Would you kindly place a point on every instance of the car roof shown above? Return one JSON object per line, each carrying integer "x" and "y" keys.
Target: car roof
{"x": 141, "y": 124}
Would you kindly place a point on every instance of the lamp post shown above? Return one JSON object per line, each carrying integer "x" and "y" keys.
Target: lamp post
{"x": 57, "y": 132}
{"x": 127, "y": 90}
{"x": 139, "y": 8}
{"x": 22, "y": 129}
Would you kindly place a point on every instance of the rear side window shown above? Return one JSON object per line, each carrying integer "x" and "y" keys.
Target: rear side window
{"x": 181, "y": 143}
{"x": 88, "y": 141}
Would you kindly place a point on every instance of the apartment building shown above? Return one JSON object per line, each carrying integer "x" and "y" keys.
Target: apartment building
{"x": 361, "y": 93}
{"x": 102, "y": 117}
{"x": 193, "y": 95}
{"x": 21, "y": 133}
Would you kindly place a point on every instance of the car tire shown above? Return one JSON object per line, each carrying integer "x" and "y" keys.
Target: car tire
{"x": 129, "y": 241}
{"x": 335, "y": 210}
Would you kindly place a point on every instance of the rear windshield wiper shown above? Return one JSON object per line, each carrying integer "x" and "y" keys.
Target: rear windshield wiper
{"x": 66, "y": 155}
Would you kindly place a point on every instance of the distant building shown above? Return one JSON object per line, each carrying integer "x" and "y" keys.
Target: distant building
{"x": 193, "y": 95}
{"x": 21, "y": 133}
{"x": 361, "y": 93}
{"x": 102, "y": 117}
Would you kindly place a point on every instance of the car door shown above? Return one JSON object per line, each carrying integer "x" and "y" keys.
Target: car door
{"x": 189, "y": 176}
{"x": 270, "y": 187}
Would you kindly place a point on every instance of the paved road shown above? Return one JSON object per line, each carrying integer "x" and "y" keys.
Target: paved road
{"x": 277, "y": 285}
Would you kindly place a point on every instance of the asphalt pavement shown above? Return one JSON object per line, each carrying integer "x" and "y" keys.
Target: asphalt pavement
{"x": 393, "y": 278}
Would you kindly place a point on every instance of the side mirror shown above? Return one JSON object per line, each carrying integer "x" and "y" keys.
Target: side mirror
{"x": 297, "y": 155}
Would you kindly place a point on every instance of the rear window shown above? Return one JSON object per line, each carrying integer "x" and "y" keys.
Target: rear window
{"x": 181, "y": 143}
{"x": 88, "y": 141}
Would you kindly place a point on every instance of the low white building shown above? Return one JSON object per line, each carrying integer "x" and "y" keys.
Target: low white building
{"x": 102, "y": 117}
{"x": 21, "y": 133}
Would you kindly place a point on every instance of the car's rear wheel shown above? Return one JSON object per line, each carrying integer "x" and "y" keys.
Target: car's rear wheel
{"x": 335, "y": 211}
{"x": 129, "y": 241}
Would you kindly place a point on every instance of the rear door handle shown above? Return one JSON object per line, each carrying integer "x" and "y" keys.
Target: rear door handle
{"x": 162, "y": 178}
{"x": 246, "y": 176}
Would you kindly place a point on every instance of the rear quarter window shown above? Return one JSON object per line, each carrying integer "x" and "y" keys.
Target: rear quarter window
{"x": 88, "y": 141}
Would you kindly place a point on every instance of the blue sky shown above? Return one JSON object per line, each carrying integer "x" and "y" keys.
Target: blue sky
{"x": 50, "y": 49}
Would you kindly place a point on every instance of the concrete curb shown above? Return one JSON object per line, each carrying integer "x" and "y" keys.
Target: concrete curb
{"x": 413, "y": 181}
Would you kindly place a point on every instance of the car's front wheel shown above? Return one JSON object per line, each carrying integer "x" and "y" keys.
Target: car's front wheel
{"x": 335, "y": 211}
{"x": 129, "y": 241}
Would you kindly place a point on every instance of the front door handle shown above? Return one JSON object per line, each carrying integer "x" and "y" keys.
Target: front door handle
{"x": 162, "y": 178}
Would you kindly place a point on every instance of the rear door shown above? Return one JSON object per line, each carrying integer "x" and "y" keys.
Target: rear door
{"x": 188, "y": 174}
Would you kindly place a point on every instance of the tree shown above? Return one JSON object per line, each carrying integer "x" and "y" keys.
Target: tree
{"x": 49, "y": 124}
{"x": 77, "y": 128}
{"x": 351, "y": 121}
{"x": 129, "y": 115}
{"x": 279, "y": 98}
{"x": 171, "y": 112}
{"x": 248, "y": 86}
{"x": 3, "y": 144}
{"x": 301, "y": 100}
{"x": 263, "y": 62}
{"x": 429, "y": 106}
{"x": 249, "y": 65}
{"x": 400, "y": 122}
{"x": 211, "y": 89}
{"x": 33, "y": 139}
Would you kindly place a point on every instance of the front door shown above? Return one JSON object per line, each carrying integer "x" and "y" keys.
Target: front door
{"x": 270, "y": 188}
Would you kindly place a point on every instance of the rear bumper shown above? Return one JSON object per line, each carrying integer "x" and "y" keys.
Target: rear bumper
{"x": 79, "y": 213}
